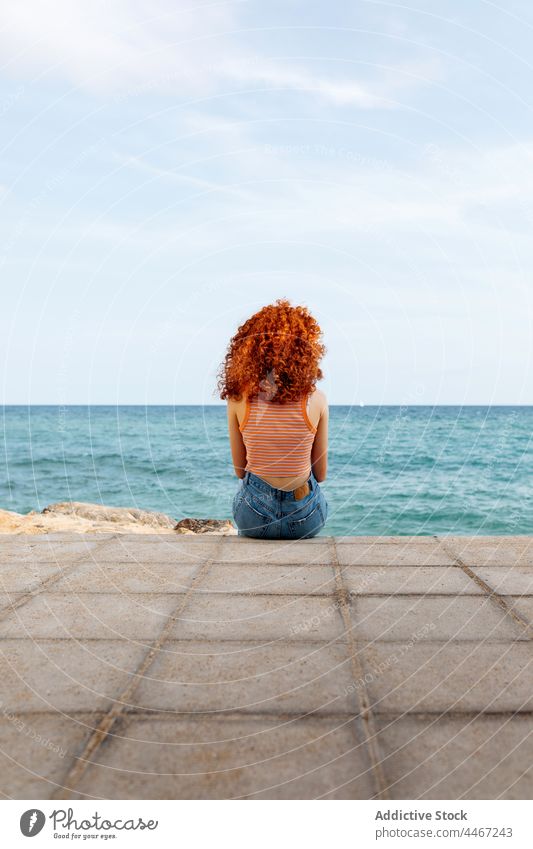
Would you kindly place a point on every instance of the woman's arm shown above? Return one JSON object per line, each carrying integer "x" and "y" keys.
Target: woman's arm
{"x": 238, "y": 450}
{"x": 319, "y": 451}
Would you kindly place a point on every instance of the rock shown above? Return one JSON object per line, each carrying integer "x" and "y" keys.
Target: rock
{"x": 205, "y": 526}
{"x": 10, "y": 522}
{"x": 117, "y": 515}
{"x": 81, "y": 518}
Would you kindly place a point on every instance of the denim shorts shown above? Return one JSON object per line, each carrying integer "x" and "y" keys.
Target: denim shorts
{"x": 263, "y": 512}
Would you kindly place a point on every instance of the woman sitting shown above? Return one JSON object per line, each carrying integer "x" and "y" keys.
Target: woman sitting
{"x": 278, "y": 423}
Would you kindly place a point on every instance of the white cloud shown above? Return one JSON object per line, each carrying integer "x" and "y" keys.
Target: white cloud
{"x": 197, "y": 183}
{"x": 106, "y": 47}
{"x": 340, "y": 92}
{"x": 127, "y": 47}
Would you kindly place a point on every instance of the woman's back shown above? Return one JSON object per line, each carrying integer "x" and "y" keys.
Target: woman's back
{"x": 278, "y": 438}
{"x": 277, "y": 421}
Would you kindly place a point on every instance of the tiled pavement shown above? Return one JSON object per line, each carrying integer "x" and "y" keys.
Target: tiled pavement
{"x": 218, "y": 667}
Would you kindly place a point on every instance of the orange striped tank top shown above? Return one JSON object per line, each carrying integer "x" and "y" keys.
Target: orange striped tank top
{"x": 278, "y": 438}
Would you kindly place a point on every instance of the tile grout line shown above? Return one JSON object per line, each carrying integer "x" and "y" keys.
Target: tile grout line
{"x": 51, "y": 580}
{"x": 487, "y": 589}
{"x": 158, "y": 715}
{"x": 255, "y": 641}
{"x": 218, "y": 593}
{"x": 365, "y": 713}
{"x": 100, "y": 733}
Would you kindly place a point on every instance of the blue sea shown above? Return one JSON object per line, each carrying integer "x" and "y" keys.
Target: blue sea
{"x": 392, "y": 470}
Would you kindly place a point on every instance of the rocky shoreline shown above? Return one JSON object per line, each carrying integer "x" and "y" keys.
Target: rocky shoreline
{"x": 83, "y": 518}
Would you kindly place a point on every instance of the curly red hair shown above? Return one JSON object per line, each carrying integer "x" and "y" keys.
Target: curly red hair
{"x": 277, "y": 351}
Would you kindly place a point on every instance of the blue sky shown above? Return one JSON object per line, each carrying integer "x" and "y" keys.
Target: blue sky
{"x": 169, "y": 167}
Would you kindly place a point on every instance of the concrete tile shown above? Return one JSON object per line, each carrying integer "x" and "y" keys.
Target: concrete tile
{"x": 219, "y": 669}
{"x": 7, "y": 600}
{"x": 378, "y": 554}
{"x": 152, "y": 758}
{"x": 252, "y": 677}
{"x": 127, "y": 577}
{"x": 523, "y": 606}
{"x": 240, "y": 617}
{"x": 90, "y": 615}
{"x": 507, "y": 580}
{"x": 281, "y": 580}
{"x": 172, "y": 538}
{"x": 165, "y": 550}
{"x": 454, "y": 618}
{"x": 57, "y": 536}
{"x": 263, "y": 552}
{"x": 17, "y": 576}
{"x": 166, "y": 537}
{"x": 6, "y": 539}
{"x": 508, "y": 551}
{"x": 233, "y": 539}
{"x": 432, "y": 676}
{"x": 53, "y": 552}
{"x": 480, "y": 539}
{"x": 45, "y": 675}
{"x": 400, "y": 580}
{"x": 36, "y": 751}
{"x": 398, "y": 541}
{"x": 486, "y": 757}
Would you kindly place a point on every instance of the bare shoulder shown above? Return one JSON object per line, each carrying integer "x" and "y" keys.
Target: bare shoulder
{"x": 237, "y": 408}
{"x": 318, "y": 406}
{"x": 319, "y": 401}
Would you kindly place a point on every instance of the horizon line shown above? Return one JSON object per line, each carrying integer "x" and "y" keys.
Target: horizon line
{"x": 357, "y": 405}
